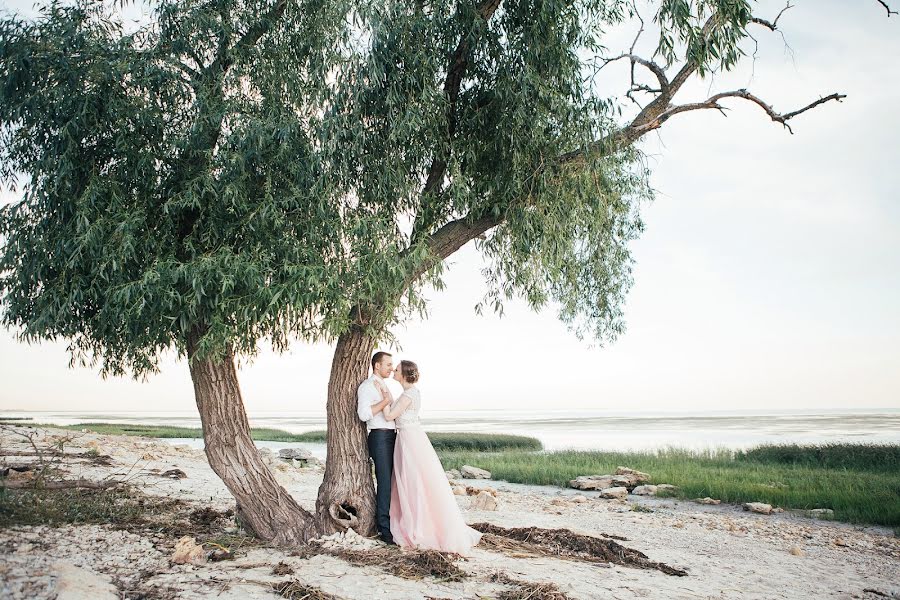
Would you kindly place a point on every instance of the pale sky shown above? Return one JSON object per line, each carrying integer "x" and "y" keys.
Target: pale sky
{"x": 768, "y": 276}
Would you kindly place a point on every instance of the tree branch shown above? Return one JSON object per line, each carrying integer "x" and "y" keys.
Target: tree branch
{"x": 713, "y": 102}
{"x": 887, "y": 8}
{"x": 772, "y": 25}
{"x": 225, "y": 58}
{"x": 458, "y": 63}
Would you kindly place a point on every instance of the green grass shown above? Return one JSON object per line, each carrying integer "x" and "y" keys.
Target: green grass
{"x": 800, "y": 477}
{"x": 263, "y": 434}
{"x": 442, "y": 441}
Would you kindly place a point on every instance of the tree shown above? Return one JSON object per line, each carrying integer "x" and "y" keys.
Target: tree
{"x": 481, "y": 121}
{"x": 175, "y": 200}
{"x": 247, "y": 170}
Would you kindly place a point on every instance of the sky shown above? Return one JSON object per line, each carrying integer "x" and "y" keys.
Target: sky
{"x": 768, "y": 276}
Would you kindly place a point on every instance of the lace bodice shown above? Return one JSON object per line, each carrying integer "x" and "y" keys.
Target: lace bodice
{"x": 410, "y": 416}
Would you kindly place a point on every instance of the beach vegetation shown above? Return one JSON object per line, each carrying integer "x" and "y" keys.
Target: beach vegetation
{"x": 866, "y": 492}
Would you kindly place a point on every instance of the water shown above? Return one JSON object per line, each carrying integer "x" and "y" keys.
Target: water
{"x": 575, "y": 429}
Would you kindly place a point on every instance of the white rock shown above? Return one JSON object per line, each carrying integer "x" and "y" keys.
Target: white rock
{"x": 644, "y": 490}
{"x": 614, "y": 493}
{"x": 707, "y": 500}
{"x": 663, "y": 489}
{"x": 459, "y": 490}
{"x": 453, "y": 474}
{"x": 578, "y": 499}
{"x": 820, "y": 513}
{"x": 758, "y": 507}
{"x": 470, "y": 472}
{"x": 483, "y": 501}
{"x": 295, "y": 454}
{"x": 73, "y": 583}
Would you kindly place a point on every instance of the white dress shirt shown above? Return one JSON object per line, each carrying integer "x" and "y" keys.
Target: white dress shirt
{"x": 368, "y": 395}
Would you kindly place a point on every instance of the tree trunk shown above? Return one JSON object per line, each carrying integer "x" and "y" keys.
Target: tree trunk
{"x": 347, "y": 494}
{"x": 263, "y": 505}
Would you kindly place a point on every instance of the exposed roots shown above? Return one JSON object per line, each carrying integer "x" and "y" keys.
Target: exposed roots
{"x": 527, "y": 590}
{"x": 568, "y": 544}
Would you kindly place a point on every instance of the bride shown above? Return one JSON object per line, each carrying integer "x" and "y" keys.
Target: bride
{"x": 424, "y": 513}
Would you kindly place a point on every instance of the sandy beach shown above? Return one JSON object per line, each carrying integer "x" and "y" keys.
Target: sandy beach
{"x": 726, "y": 551}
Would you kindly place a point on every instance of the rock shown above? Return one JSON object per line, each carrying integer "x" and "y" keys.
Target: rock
{"x": 483, "y": 501}
{"x": 474, "y": 491}
{"x": 470, "y": 472}
{"x": 559, "y": 502}
{"x": 459, "y": 490}
{"x": 840, "y": 542}
{"x": 707, "y": 500}
{"x": 820, "y": 513}
{"x": 665, "y": 489}
{"x": 578, "y": 499}
{"x": 796, "y": 551}
{"x": 453, "y": 474}
{"x": 598, "y": 482}
{"x": 758, "y": 507}
{"x": 644, "y": 490}
{"x": 614, "y": 493}
{"x": 174, "y": 474}
{"x": 187, "y": 551}
{"x": 295, "y": 454}
{"x": 636, "y": 476}
{"x": 73, "y": 583}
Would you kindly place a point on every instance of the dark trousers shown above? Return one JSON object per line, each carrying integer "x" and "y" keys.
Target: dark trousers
{"x": 381, "y": 449}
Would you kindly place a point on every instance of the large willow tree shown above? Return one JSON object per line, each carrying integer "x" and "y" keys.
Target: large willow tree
{"x": 243, "y": 170}
{"x": 482, "y": 120}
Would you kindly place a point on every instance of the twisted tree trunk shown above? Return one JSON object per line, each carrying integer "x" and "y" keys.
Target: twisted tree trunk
{"x": 263, "y": 506}
{"x": 347, "y": 494}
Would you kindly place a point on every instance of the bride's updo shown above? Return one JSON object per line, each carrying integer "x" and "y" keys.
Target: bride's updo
{"x": 410, "y": 370}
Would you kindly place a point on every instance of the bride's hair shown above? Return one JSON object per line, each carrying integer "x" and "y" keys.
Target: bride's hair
{"x": 410, "y": 370}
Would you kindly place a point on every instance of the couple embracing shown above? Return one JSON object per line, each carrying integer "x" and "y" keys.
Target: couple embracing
{"x": 414, "y": 504}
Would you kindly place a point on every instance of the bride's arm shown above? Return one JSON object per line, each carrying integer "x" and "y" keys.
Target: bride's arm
{"x": 402, "y": 404}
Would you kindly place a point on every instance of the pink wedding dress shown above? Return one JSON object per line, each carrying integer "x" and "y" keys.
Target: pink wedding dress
{"x": 424, "y": 513}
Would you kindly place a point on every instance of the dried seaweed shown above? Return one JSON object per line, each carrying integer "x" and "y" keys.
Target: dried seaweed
{"x": 296, "y": 590}
{"x": 570, "y": 545}
{"x": 527, "y": 590}
{"x": 408, "y": 564}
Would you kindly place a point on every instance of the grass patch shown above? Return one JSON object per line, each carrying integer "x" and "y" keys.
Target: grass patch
{"x": 442, "y": 441}
{"x": 114, "y": 506}
{"x": 262, "y": 434}
{"x": 461, "y": 441}
{"x": 862, "y": 494}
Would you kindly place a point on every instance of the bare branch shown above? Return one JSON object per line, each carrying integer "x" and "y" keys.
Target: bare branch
{"x": 887, "y": 8}
{"x": 773, "y": 25}
{"x": 713, "y": 102}
{"x": 657, "y": 70}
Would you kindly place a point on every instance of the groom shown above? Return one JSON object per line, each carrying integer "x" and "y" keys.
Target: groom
{"x": 382, "y": 435}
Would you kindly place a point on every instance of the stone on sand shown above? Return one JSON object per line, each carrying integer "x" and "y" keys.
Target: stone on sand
{"x": 644, "y": 490}
{"x": 614, "y": 493}
{"x": 483, "y": 501}
{"x": 470, "y": 472}
{"x": 187, "y": 551}
{"x": 758, "y": 507}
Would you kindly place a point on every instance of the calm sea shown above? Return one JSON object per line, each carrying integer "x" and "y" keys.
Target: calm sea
{"x": 577, "y": 429}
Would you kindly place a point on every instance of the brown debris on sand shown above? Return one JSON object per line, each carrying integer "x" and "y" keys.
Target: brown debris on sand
{"x": 296, "y": 590}
{"x": 564, "y": 543}
{"x": 408, "y": 564}
{"x": 527, "y": 589}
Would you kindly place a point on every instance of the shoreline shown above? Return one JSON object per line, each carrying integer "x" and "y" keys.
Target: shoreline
{"x": 727, "y": 553}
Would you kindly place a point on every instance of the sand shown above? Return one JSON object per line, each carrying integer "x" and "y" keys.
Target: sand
{"x": 727, "y": 552}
